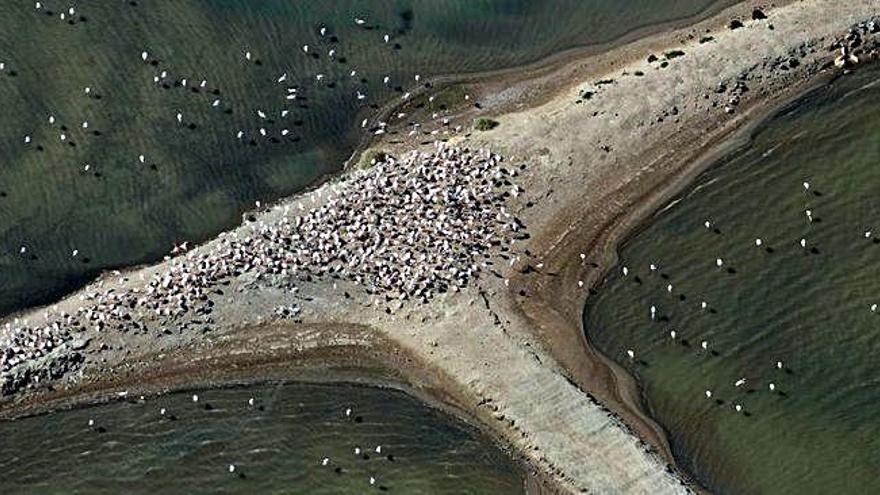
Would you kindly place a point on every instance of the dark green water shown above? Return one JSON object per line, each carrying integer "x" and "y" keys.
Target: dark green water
{"x": 196, "y": 182}
{"x": 818, "y": 431}
{"x": 132, "y": 448}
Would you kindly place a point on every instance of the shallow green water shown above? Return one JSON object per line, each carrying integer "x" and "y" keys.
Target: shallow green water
{"x": 277, "y": 445}
{"x": 810, "y": 308}
{"x": 196, "y": 182}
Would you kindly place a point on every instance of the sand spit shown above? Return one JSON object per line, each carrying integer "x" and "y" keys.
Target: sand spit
{"x": 502, "y": 238}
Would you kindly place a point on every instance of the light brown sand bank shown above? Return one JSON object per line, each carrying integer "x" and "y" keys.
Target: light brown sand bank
{"x": 516, "y": 363}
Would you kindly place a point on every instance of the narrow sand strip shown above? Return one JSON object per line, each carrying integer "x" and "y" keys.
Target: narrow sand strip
{"x": 513, "y": 356}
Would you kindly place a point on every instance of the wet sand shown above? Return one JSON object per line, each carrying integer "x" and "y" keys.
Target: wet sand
{"x": 513, "y": 358}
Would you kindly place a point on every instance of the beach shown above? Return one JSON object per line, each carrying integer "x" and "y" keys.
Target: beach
{"x": 605, "y": 139}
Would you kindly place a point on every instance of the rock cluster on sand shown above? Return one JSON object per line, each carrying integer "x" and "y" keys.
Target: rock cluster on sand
{"x": 860, "y": 42}
{"x": 401, "y": 229}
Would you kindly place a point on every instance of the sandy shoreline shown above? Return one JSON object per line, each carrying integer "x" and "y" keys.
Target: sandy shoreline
{"x": 362, "y": 359}
{"x": 514, "y": 357}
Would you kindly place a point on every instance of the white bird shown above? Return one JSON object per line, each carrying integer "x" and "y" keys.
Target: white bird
{"x": 195, "y": 398}
{"x": 322, "y": 31}
{"x": 359, "y": 21}
{"x": 261, "y": 114}
{"x": 23, "y": 250}
{"x": 806, "y": 186}
{"x": 27, "y": 139}
{"x": 331, "y": 53}
{"x": 203, "y": 83}
{"x": 85, "y": 124}
{"x": 803, "y": 243}
{"x": 738, "y": 407}
{"x": 305, "y": 48}
{"x": 325, "y": 461}
{"x": 653, "y": 312}
{"x": 386, "y": 80}
{"x": 719, "y": 262}
{"x": 360, "y": 96}
{"x": 708, "y": 394}
{"x": 282, "y": 78}
{"x": 386, "y": 38}
{"x": 142, "y": 158}
{"x": 378, "y": 449}
{"x": 672, "y": 334}
{"x": 357, "y": 451}
{"x": 74, "y": 253}
{"x": 216, "y": 103}
{"x": 631, "y": 353}
{"x": 179, "y": 117}
{"x": 364, "y": 123}
{"x": 251, "y": 401}
{"x": 353, "y": 73}
{"x": 240, "y": 134}
{"x": 705, "y": 345}
{"x": 319, "y": 77}
{"x": 232, "y": 468}
{"x": 669, "y": 288}
{"x": 38, "y": 6}
{"x": 144, "y": 56}
{"x": 51, "y": 119}
{"x": 417, "y": 77}
{"x": 91, "y": 422}
{"x": 740, "y": 382}
{"x": 162, "y": 411}
{"x": 348, "y": 412}
{"x": 874, "y": 308}
{"x": 809, "y": 215}
{"x": 758, "y": 242}
{"x": 87, "y": 90}
{"x": 625, "y": 271}
{"x": 867, "y": 234}
{"x": 779, "y": 365}
{"x": 708, "y": 224}
{"x": 653, "y": 267}
{"x": 372, "y": 480}
{"x": 247, "y": 55}
{"x": 772, "y": 386}
{"x": 704, "y": 305}
{"x": 284, "y": 113}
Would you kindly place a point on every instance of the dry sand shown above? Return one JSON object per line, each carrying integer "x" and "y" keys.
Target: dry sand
{"x": 513, "y": 358}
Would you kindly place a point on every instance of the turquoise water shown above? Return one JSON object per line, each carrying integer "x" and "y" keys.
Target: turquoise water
{"x": 809, "y": 308}
{"x": 276, "y": 446}
{"x": 197, "y": 177}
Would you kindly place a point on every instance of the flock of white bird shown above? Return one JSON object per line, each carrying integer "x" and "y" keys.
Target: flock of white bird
{"x": 739, "y": 383}
{"x": 359, "y": 453}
